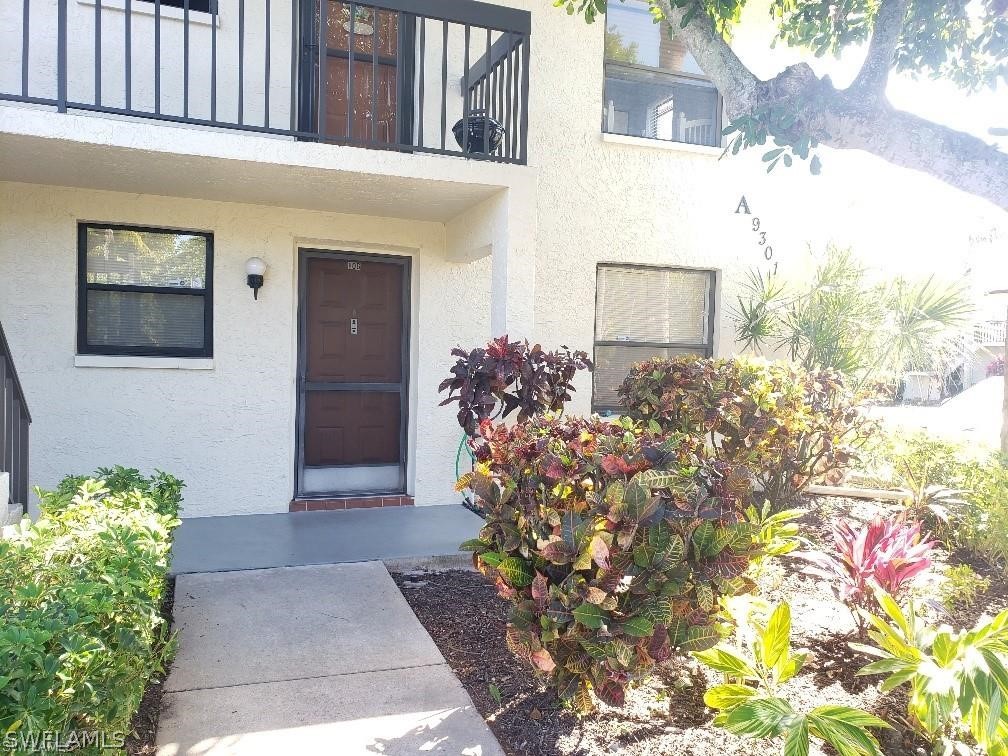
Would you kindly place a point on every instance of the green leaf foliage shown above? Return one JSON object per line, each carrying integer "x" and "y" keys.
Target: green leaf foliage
{"x": 751, "y": 704}
{"x": 729, "y": 662}
{"x": 797, "y": 741}
{"x": 787, "y": 427}
{"x": 775, "y": 642}
{"x": 597, "y": 548}
{"x": 846, "y": 729}
{"x": 638, "y": 627}
{"x": 844, "y": 319}
{"x": 762, "y": 717}
{"x": 161, "y": 491}
{"x": 728, "y": 696}
{"x": 589, "y": 615}
{"x": 958, "y": 680}
{"x": 81, "y": 591}
{"x": 516, "y": 571}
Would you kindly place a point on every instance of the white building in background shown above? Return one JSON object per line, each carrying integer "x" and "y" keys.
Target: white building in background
{"x": 149, "y": 150}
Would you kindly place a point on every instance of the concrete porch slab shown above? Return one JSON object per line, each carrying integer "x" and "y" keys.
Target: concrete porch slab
{"x": 280, "y": 624}
{"x": 310, "y": 660}
{"x": 248, "y": 542}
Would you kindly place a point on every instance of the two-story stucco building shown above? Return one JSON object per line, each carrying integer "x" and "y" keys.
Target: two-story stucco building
{"x": 154, "y": 154}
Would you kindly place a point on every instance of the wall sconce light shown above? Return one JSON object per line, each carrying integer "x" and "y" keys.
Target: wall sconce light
{"x": 255, "y": 267}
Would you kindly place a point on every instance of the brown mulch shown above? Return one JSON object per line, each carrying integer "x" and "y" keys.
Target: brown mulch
{"x": 666, "y": 715}
{"x": 142, "y": 741}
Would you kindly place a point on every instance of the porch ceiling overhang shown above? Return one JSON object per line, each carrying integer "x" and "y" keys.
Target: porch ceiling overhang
{"x": 96, "y": 152}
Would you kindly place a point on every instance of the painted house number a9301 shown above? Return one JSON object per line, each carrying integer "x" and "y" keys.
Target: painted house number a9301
{"x": 353, "y": 265}
{"x": 761, "y": 235}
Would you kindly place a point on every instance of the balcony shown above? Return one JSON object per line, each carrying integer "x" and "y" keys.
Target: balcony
{"x": 412, "y": 76}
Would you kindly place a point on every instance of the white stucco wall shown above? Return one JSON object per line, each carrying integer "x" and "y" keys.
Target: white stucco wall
{"x": 604, "y": 199}
{"x": 229, "y": 431}
{"x": 496, "y": 249}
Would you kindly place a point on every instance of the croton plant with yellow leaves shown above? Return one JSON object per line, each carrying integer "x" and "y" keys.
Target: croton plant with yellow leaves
{"x": 612, "y": 543}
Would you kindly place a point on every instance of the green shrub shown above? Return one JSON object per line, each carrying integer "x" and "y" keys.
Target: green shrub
{"x": 777, "y": 534}
{"x": 791, "y": 428}
{"x": 750, "y": 703}
{"x": 984, "y": 529}
{"x": 613, "y": 545}
{"x": 844, "y": 318}
{"x": 921, "y": 457}
{"x": 930, "y": 470}
{"x": 958, "y": 679}
{"x": 161, "y": 490}
{"x": 961, "y": 494}
{"x": 80, "y": 595}
{"x": 961, "y": 587}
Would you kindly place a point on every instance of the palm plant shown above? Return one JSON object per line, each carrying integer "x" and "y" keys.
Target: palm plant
{"x": 841, "y": 320}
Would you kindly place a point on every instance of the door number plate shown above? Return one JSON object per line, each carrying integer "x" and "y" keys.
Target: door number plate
{"x": 353, "y": 326}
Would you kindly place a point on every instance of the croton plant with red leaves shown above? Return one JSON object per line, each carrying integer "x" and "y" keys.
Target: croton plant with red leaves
{"x": 613, "y": 545}
{"x": 507, "y": 375}
{"x": 790, "y": 427}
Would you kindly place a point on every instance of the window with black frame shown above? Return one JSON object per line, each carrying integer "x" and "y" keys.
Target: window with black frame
{"x": 144, "y": 291}
{"x": 653, "y": 85}
{"x": 199, "y": 6}
{"x": 644, "y": 311}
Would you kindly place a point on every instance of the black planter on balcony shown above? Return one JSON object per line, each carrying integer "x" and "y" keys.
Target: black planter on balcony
{"x": 479, "y": 123}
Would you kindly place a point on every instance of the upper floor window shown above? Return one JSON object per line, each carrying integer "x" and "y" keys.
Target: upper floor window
{"x": 653, "y": 86}
{"x": 144, "y": 291}
{"x": 201, "y": 6}
{"x": 645, "y": 311}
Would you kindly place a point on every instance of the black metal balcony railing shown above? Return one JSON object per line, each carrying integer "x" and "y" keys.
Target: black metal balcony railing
{"x": 407, "y": 75}
{"x": 14, "y": 422}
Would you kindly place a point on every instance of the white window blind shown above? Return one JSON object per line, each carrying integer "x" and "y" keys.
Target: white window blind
{"x": 144, "y": 292}
{"x": 643, "y": 312}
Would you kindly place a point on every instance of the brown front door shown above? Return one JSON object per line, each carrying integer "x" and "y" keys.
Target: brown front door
{"x": 352, "y": 373}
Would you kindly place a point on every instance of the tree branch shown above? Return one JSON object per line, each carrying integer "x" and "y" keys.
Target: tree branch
{"x": 903, "y": 139}
{"x": 856, "y": 118}
{"x": 740, "y": 87}
{"x": 874, "y": 74}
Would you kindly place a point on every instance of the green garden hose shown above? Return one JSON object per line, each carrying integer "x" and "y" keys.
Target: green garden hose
{"x": 467, "y": 501}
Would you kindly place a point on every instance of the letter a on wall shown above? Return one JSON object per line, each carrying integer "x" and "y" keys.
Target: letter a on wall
{"x": 743, "y": 206}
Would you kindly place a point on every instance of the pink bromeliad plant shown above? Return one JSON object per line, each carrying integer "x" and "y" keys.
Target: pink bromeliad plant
{"x": 884, "y": 553}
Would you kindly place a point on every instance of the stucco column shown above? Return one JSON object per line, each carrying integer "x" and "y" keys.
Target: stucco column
{"x": 512, "y": 294}
{"x": 502, "y": 227}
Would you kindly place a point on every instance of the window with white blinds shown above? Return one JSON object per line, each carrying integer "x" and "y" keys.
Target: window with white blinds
{"x": 144, "y": 291}
{"x": 643, "y": 312}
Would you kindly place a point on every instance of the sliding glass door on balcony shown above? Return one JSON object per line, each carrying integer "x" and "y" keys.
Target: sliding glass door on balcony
{"x": 368, "y": 56}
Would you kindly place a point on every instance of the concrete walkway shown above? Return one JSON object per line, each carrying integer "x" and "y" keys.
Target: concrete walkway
{"x": 243, "y": 542}
{"x": 310, "y": 660}
{"x": 972, "y": 418}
